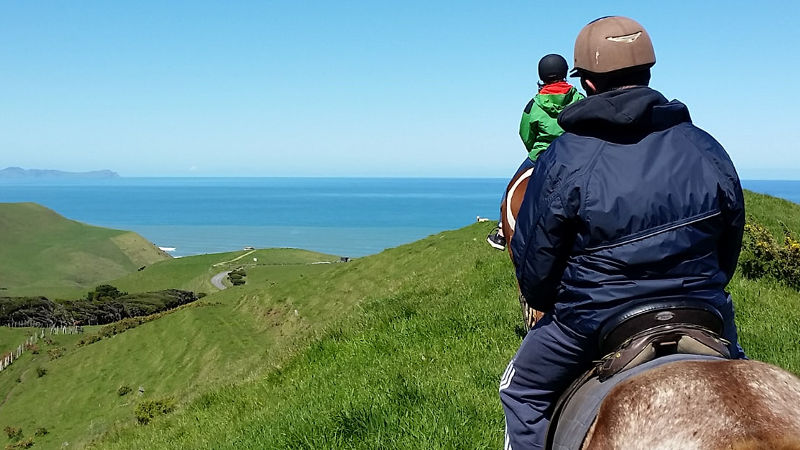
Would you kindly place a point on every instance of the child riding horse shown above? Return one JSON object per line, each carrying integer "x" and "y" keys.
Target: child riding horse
{"x": 539, "y": 125}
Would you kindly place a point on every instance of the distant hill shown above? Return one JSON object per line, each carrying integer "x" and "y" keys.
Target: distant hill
{"x": 18, "y": 172}
{"x": 40, "y": 249}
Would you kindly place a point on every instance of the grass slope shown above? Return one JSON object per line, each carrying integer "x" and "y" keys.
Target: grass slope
{"x": 219, "y": 338}
{"x": 772, "y": 212}
{"x": 418, "y": 366}
{"x": 12, "y": 337}
{"x": 402, "y": 349}
{"x": 429, "y": 313}
{"x": 42, "y": 252}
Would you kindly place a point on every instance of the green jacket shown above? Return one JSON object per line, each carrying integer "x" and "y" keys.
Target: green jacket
{"x": 539, "y": 124}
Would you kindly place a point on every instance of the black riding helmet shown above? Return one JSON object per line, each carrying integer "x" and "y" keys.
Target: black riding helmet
{"x": 552, "y": 68}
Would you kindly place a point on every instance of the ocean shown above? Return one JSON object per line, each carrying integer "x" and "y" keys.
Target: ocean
{"x": 340, "y": 216}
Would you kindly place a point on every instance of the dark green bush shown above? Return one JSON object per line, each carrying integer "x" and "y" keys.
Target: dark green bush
{"x": 104, "y": 305}
{"x": 149, "y": 409}
{"x": 41, "y": 371}
{"x": 13, "y": 432}
{"x": 104, "y": 292}
{"x": 41, "y": 431}
{"x": 236, "y": 276}
{"x": 123, "y": 390}
{"x": 201, "y": 295}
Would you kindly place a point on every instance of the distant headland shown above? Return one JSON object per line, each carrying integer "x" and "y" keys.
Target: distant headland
{"x": 18, "y": 172}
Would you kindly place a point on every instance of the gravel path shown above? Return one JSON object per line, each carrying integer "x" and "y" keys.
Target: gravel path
{"x": 216, "y": 280}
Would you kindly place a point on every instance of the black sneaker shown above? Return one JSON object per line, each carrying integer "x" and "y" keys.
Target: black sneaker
{"x": 495, "y": 240}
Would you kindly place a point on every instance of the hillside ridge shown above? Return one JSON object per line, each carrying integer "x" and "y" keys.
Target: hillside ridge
{"x": 20, "y": 173}
{"x": 42, "y": 250}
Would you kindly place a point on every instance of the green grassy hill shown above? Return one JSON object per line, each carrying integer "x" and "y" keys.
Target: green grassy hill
{"x": 42, "y": 252}
{"x": 194, "y": 273}
{"x": 225, "y": 336}
{"x": 403, "y": 349}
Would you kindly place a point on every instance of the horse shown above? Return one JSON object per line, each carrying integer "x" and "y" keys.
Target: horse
{"x": 709, "y": 403}
{"x": 699, "y": 404}
{"x": 509, "y": 208}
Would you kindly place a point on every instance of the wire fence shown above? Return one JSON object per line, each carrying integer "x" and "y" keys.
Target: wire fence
{"x": 9, "y": 357}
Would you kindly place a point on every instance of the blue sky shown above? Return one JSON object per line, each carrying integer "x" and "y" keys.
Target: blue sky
{"x": 344, "y": 88}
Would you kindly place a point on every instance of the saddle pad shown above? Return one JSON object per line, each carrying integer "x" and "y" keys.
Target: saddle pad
{"x": 578, "y": 415}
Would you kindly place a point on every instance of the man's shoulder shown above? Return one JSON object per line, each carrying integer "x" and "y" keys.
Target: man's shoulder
{"x": 571, "y": 148}
{"x": 697, "y": 135}
{"x": 567, "y": 158}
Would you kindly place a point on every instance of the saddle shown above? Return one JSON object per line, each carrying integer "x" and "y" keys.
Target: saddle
{"x": 640, "y": 336}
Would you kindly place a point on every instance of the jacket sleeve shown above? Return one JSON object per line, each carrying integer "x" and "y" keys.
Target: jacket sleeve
{"x": 528, "y": 128}
{"x": 543, "y": 235}
{"x": 733, "y": 215}
{"x": 731, "y": 203}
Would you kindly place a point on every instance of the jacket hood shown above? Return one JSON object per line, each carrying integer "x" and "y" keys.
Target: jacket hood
{"x": 554, "y": 103}
{"x": 624, "y": 115}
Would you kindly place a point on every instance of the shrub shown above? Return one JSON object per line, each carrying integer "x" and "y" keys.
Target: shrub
{"x": 13, "y": 432}
{"x": 104, "y": 292}
{"x": 149, "y": 409}
{"x": 104, "y": 305}
{"x": 41, "y": 431}
{"x": 33, "y": 348}
{"x": 41, "y": 371}
{"x": 201, "y": 295}
{"x": 25, "y": 443}
{"x": 237, "y": 276}
{"x": 123, "y": 390}
{"x": 55, "y": 353}
{"x": 763, "y": 256}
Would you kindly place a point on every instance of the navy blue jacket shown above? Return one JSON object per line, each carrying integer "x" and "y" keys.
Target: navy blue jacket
{"x": 632, "y": 204}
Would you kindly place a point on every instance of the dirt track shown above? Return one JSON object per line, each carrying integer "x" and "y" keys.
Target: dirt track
{"x": 216, "y": 280}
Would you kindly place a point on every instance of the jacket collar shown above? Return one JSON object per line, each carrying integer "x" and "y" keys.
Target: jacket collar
{"x": 559, "y": 87}
{"x": 623, "y": 115}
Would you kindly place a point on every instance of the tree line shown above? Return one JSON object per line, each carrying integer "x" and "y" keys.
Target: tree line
{"x": 104, "y": 304}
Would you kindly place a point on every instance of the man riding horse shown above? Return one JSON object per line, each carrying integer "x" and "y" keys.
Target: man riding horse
{"x": 632, "y": 205}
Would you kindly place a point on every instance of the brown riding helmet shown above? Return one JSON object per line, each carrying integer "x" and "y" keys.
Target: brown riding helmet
{"x": 612, "y": 43}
